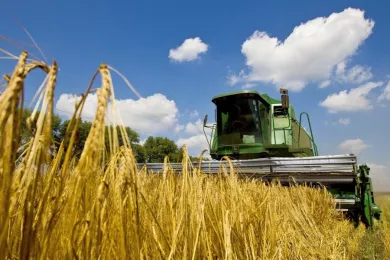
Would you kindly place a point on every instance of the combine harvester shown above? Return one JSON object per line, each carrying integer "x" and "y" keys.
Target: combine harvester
{"x": 264, "y": 140}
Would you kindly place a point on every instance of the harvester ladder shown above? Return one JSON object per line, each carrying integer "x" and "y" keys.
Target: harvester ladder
{"x": 281, "y": 128}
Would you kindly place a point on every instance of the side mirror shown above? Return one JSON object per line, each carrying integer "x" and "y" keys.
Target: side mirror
{"x": 205, "y": 120}
{"x": 285, "y": 98}
{"x": 204, "y": 125}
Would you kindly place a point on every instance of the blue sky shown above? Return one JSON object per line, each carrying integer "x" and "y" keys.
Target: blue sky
{"x": 347, "y": 51}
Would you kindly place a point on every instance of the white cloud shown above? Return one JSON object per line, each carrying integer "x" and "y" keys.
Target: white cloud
{"x": 248, "y": 85}
{"x": 352, "y": 100}
{"x": 194, "y": 114}
{"x": 194, "y": 128}
{"x": 151, "y": 115}
{"x": 340, "y": 68}
{"x": 179, "y": 128}
{"x": 344, "y": 121}
{"x": 357, "y": 74}
{"x": 189, "y": 50}
{"x": 355, "y": 146}
{"x": 386, "y": 93}
{"x": 196, "y": 144}
{"x": 235, "y": 79}
{"x": 325, "y": 83}
{"x": 341, "y": 121}
{"x": 195, "y": 139}
{"x": 380, "y": 176}
{"x": 308, "y": 54}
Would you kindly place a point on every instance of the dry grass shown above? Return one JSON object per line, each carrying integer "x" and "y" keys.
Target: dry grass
{"x": 383, "y": 200}
{"x": 102, "y": 207}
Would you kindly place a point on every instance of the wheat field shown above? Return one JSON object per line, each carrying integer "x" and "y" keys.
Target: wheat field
{"x": 101, "y": 206}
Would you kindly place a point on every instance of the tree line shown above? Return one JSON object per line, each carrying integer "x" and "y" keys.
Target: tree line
{"x": 154, "y": 150}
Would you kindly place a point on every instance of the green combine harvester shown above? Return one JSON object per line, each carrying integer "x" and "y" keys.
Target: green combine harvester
{"x": 264, "y": 140}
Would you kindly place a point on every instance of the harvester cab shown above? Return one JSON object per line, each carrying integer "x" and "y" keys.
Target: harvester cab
{"x": 250, "y": 125}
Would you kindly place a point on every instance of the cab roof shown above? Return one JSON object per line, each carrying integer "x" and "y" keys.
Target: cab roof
{"x": 263, "y": 97}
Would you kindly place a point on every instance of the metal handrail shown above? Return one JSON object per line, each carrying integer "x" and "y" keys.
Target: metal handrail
{"x": 311, "y": 137}
{"x": 212, "y": 134}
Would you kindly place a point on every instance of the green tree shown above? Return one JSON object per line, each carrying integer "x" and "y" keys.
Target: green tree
{"x": 81, "y": 135}
{"x": 196, "y": 158}
{"x": 139, "y": 153}
{"x": 138, "y": 150}
{"x": 132, "y": 135}
{"x": 156, "y": 148}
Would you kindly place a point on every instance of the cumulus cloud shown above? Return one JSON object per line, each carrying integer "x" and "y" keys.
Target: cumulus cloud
{"x": 380, "y": 175}
{"x": 196, "y": 144}
{"x": 309, "y": 53}
{"x": 340, "y": 121}
{"x": 189, "y": 50}
{"x": 194, "y": 114}
{"x": 386, "y": 93}
{"x": 248, "y": 85}
{"x": 325, "y": 83}
{"x": 194, "y": 128}
{"x": 357, "y": 74}
{"x": 350, "y": 101}
{"x": 344, "y": 121}
{"x": 195, "y": 139}
{"x": 355, "y": 146}
{"x": 151, "y": 115}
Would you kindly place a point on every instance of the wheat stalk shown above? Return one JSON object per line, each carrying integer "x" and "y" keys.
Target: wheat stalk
{"x": 10, "y": 114}
{"x": 101, "y": 206}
